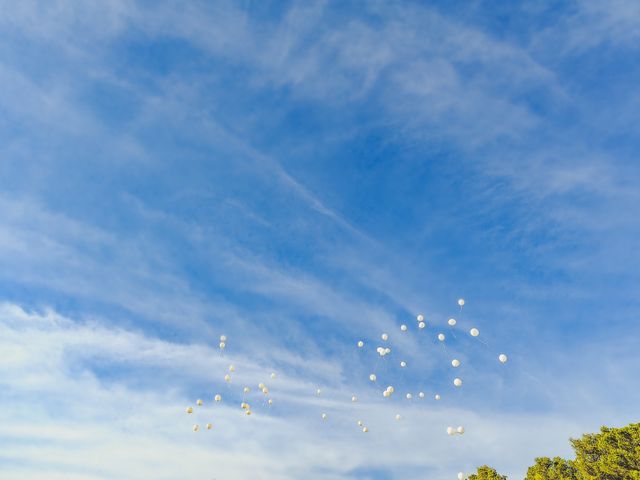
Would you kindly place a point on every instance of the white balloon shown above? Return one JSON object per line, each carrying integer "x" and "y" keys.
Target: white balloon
{"x": 409, "y": 396}
{"x": 403, "y": 364}
{"x": 474, "y": 332}
{"x": 391, "y": 389}
{"x": 365, "y": 429}
{"x": 196, "y": 428}
{"x": 244, "y": 406}
{"x": 420, "y": 317}
{"x": 380, "y": 350}
{"x": 265, "y": 390}
{"x": 437, "y": 397}
{"x": 354, "y": 398}
{"x": 223, "y": 338}
{"x": 189, "y": 410}
{"x": 248, "y": 412}
{"x": 421, "y": 394}
{"x": 455, "y": 362}
{"x": 387, "y": 351}
{"x": 246, "y": 389}
{"x": 222, "y": 345}
{"x": 270, "y": 402}
{"x": 450, "y": 431}
{"x": 460, "y": 476}
{"x": 217, "y": 398}
{"x": 403, "y": 328}
{"x": 209, "y": 426}
{"x": 503, "y": 358}
{"x": 398, "y": 416}
{"x": 324, "y": 416}
{"x": 273, "y": 375}
{"x": 360, "y": 423}
{"x": 441, "y": 337}
{"x": 232, "y": 368}
{"x": 386, "y": 393}
{"x": 318, "y": 392}
{"x": 261, "y": 385}
{"x": 372, "y": 377}
{"x": 227, "y": 378}
{"x": 384, "y": 337}
{"x": 422, "y": 325}
{"x": 457, "y": 382}
{"x": 360, "y": 344}
{"x": 460, "y": 430}
{"x": 461, "y": 301}
{"x": 452, "y": 321}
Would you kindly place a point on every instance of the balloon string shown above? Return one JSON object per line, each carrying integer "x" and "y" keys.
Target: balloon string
{"x": 453, "y": 333}
{"x": 375, "y": 366}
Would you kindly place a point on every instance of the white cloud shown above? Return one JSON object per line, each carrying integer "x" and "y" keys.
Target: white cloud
{"x": 63, "y": 416}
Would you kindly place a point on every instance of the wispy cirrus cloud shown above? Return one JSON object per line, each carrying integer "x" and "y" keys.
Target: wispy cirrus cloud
{"x": 299, "y": 178}
{"x": 53, "y": 362}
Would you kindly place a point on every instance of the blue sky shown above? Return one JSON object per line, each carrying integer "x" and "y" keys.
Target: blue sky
{"x": 299, "y": 176}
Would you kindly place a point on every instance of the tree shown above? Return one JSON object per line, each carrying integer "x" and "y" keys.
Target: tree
{"x": 486, "y": 473}
{"x": 612, "y": 454}
{"x": 556, "y": 468}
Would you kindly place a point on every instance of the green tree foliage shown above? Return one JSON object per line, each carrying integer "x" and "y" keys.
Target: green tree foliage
{"x": 486, "y": 473}
{"x": 556, "y": 468}
{"x": 612, "y": 454}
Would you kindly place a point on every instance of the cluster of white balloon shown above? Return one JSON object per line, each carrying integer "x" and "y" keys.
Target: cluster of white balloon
{"x": 217, "y": 398}
{"x": 384, "y": 350}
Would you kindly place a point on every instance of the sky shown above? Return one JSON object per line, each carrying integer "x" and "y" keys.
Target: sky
{"x": 299, "y": 176}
